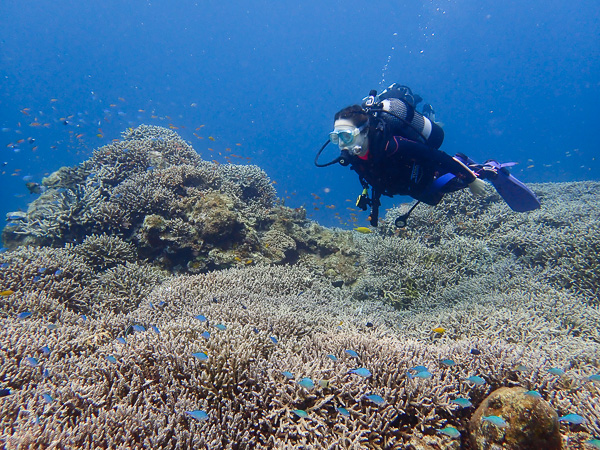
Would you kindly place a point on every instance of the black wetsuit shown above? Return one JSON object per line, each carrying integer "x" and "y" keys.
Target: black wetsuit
{"x": 400, "y": 166}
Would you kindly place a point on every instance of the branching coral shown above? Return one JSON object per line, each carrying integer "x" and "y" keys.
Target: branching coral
{"x": 470, "y": 288}
{"x": 102, "y": 252}
{"x": 152, "y": 189}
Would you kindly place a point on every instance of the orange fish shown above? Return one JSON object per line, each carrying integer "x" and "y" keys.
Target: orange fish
{"x": 7, "y": 292}
{"x": 25, "y": 111}
{"x": 79, "y": 136}
{"x": 122, "y": 99}
{"x": 53, "y": 100}
{"x": 35, "y": 124}
{"x": 211, "y": 138}
{"x": 238, "y": 144}
{"x": 201, "y": 126}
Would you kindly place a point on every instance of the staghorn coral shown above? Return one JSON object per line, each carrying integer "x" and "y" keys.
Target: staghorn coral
{"x": 153, "y": 190}
{"x": 103, "y": 252}
{"x": 484, "y": 274}
{"x": 96, "y": 275}
{"x": 121, "y": 288}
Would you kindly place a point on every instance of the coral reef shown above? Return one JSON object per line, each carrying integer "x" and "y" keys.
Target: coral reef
{"x": 269, "y": 331}
{"x": 181, "y": 213}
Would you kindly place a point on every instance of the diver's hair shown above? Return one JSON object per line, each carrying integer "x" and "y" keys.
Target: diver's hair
{"x": 354, "y": 113}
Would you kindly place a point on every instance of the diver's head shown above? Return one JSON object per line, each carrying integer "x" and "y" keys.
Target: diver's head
{"x": 351, "y": 127}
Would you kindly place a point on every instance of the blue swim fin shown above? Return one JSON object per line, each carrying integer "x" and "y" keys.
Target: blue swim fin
{"x": 518, "y": 196}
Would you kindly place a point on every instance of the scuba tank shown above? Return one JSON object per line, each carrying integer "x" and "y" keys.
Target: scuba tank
{"x": 396, "y": 107}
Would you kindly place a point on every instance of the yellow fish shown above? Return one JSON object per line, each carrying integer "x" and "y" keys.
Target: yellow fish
{"x": 363, "y": 230}
{"x": 439, "y": 330}
{"x": 7, "y": 292}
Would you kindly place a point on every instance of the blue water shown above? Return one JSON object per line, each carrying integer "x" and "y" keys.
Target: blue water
{"x": 510, "y": 82}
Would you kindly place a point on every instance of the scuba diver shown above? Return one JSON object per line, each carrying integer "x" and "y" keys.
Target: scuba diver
{"x": 394, "y": 149}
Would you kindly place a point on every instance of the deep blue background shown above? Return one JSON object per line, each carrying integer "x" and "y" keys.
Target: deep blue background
{"x": 510, "y": 82}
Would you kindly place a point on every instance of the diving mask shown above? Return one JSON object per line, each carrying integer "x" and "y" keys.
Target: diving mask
{"x": 344, "y": 137}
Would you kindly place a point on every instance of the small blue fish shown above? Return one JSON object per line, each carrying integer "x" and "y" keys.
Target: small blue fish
{"x": 83, "y": 317}
{"x": 201, "y": 356}
{"x": 36, "y": 279}
{"x": 47, "y": 398}
{"x": 4, "y": 265}
{"x": 556, "y": 371}
{"x": 138, "y": 328}
{"x": 300, "y": 412}
{"x": 343, "y": 411}
{"x": 574, "y": 419}
{"x": 462, "y": 402}
{"x": 46, "y": 373}
{"x": 52, "y": 326}
{"x": 378, "y": 400}
{"x": 288, "y": 375}
{"x": 255, "y": 330}
{"x": 5, "y": 392}
{"x": 332, "y": 357}
{"x": 199, "y": 415}
{"x": 447, "y": 362}
{"x": 111, "y": 359}
{"x": 418, "y": 369}
{"x": 200, "y": 317}
{"x": 45, "y": 350}
{"x": 24, "y": 315}
{"x": 521, "y": 368}
{"x": 306, "y": 383}
{"x": 41, "y": 270}
{"x": 535, "y": 394}
{"x": 121, "y": 340}
{"x": 424, "y": 374}
{"x": 478, "y": 381}
{"x": 495, "y": 420}
{"x": 352, "y": 353}
{"x": 450, "y": 432}
{"x": 33, "y": 362}
{"x": 205, "y": 334}
{"x": 274, "y": 339}
{"x": 362, "y": 372}
{"x": 155, "y": 329}
{"x": 58, "y": 272}
{"x": 220, "y": 326}
{"x": 595, "y": 377}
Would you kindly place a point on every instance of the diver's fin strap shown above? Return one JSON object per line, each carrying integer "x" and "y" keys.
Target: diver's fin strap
{"x": 518, "y": 196}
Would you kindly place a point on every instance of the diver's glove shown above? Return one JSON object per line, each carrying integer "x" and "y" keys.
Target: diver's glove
{"x": 477, "y": 187}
